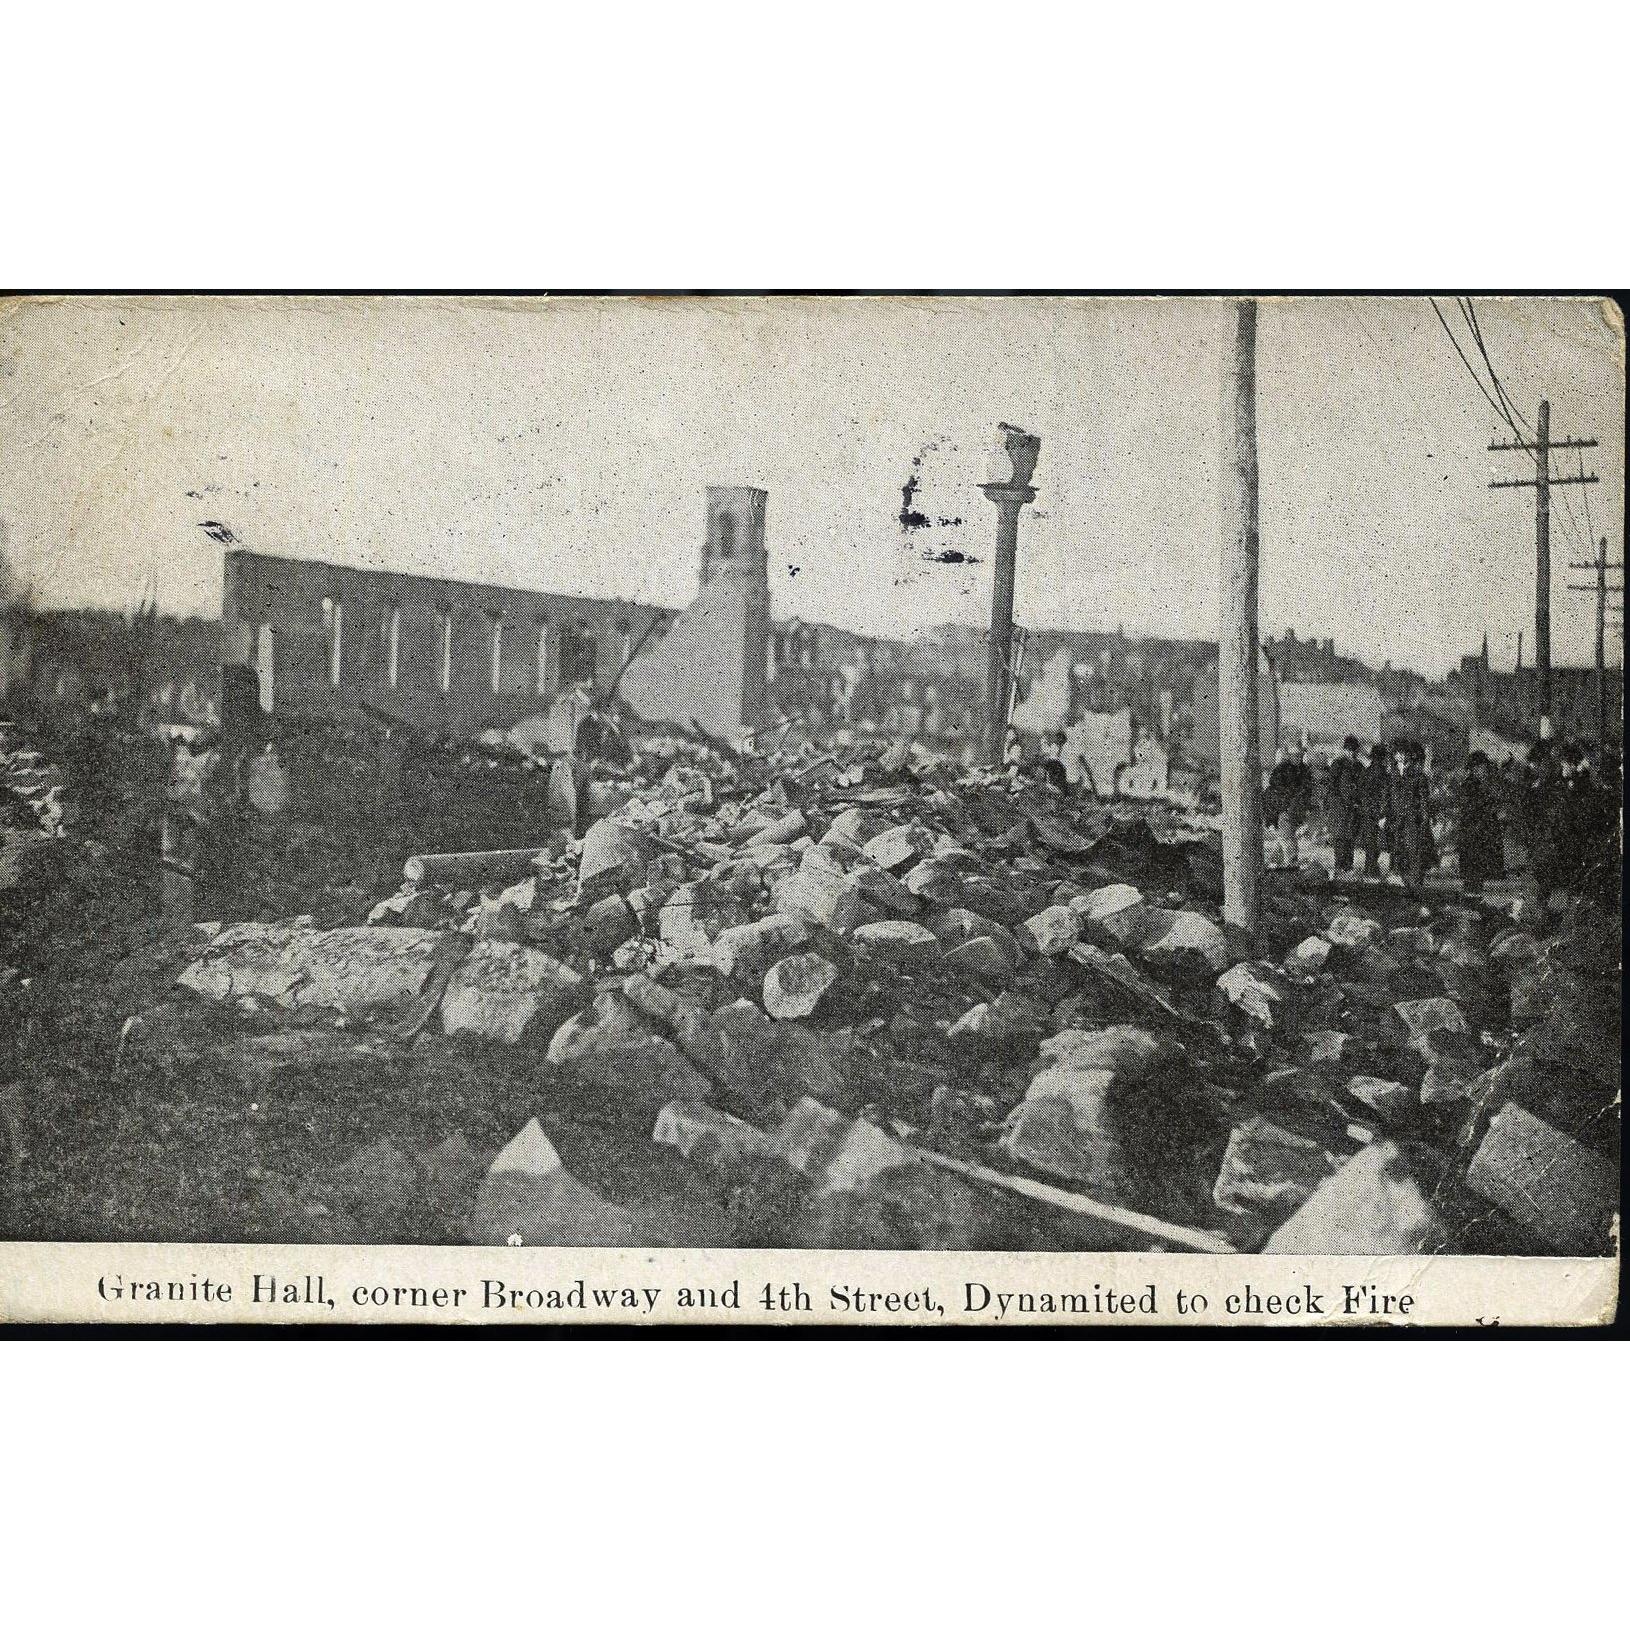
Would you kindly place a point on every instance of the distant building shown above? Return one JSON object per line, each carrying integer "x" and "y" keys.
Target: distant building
{"x": 1324, "y": 714}
{"x": 153, "y": 669}
{"x": 1508, "y": 703}
{"x": 1312, "y": 662}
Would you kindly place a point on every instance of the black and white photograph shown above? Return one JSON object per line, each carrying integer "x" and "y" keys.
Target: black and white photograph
{"x": 501, "y": 793}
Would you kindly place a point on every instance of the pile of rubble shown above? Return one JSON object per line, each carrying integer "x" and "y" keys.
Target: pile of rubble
{"x": 928, "y": 1009}
{"x": 32, "y": 808}
{"x": 29, "y": 781}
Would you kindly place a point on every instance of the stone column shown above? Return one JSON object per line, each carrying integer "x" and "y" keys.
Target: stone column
{"x": 1013, "y": 462}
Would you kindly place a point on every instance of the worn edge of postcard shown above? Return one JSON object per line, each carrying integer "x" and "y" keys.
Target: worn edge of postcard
{"x": 274, "y": 1284}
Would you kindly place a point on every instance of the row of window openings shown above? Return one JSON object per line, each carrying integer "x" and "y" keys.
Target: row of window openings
{"x": 577, "y": 649}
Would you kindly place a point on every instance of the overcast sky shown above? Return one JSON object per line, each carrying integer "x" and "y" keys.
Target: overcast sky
{"x": 565, "y": 444}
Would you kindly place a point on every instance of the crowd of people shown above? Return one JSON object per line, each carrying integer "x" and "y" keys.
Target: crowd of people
{"x": 1554, "y": 812}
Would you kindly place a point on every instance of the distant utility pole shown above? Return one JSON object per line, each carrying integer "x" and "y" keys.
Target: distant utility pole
{"x": 1542, "y": 481}
{"x": 1599, "y": 589}
{"x": 1012, "y": 464}
{"x": 1239, "y": 726}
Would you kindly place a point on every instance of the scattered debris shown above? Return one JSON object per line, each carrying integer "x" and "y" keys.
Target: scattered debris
{"x": 829, "y": 995}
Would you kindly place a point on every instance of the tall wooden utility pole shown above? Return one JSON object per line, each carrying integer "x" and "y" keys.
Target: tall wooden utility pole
{"x": 1012, "y": 464}
{"x": 1542, "y": 481}
{"x": 1599, "y": 589}
{"x": 1238, "y": 724}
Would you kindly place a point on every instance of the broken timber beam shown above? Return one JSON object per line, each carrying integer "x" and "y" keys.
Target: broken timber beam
{"x": 1153, "y": 1229}
{"x": 477, "y": 866}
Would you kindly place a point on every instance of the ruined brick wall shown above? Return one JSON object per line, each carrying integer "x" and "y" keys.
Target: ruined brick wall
{"x": 420, "y": 648}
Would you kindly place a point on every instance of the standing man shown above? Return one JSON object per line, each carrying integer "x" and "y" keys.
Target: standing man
{"x": 1482, "y": 848}
{"x": 1372, "y": 809}
{"x": 1290, "y": 791}
{"x": 188, "y": 854}
{"x": 1346, "y": 794}
{"x": 1541, "y": 798}
{"x": 1409, "y": 819}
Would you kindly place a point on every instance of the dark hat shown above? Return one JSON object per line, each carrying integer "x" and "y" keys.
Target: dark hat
{"x": 1476, "y": 758}
{"x": 1351, "y": 745}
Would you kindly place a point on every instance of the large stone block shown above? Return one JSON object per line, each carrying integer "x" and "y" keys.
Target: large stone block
{"x": 782, "y": 830}
{"x": 610, "y": 1045}
{"x": 348, "y": 968}
{"x": 1114, "y": 916}
{"x": 936, "y": 881}
{"x": 897, "y": 940}
{"x": 500, "y": 991}
{"x": 1189, "y": 949}
{"x": 898, "y": 846}
{"x": 1411, "y": 1020}
{"x": 834, "y": 1152}
{"x": 1064, "y": 1127}
{"x": 1268, "y": 1170}
{"x": 1349, "y": 931}
{"x": 610, "y": 1023}
{"x": 753, "y": 1059}
{"x": 529, "y": 1198}
{"x": 854, "y": 829}
{"x": 1309, "y": 957}
{"x": 958, "y": 925}
{"x": 1559, "y": 1190}
{"x": 984, "y": 958}
{"x": 1373, "y": 1206}
{"x": 1051, "y": 932}
{"x": 613, "y": 859}
{"x": 746, "y": 952}
{"x": 1250, "y": 989}
{"x": 1391, "y": 1100}
{"x": 1009, "y": 1024}
{"x": 868, "y": 1191}
{"x": 691, "y": 920}
{"x": 1126, "y": 1051}
{"x": 820, "y": 896}
{"x": 708, "y": 1135}
{"x": 797, "y": 985}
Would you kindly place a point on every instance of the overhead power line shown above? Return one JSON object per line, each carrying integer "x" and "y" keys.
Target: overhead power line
{"x": 1581, "y": 535}
{"x": 1542, "y": 481}
{"x": 1512, "y": 412}
{"x": 1499, "y": 412}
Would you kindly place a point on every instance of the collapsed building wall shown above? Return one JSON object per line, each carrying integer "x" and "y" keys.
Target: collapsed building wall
{"x": 1046, "y": 705}
{"x": 712, "y": 666}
